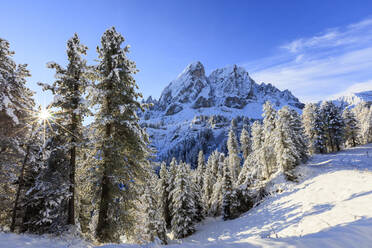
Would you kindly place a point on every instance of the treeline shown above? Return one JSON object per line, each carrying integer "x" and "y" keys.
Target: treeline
{"x": 57, "y": 174}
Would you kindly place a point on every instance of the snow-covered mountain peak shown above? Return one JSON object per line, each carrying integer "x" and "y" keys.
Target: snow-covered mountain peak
{"x": 195, "y": 110}
{"x": 232, "y": 80}
{"x": 186, "y": 87}
{"x": 353, "y": 99}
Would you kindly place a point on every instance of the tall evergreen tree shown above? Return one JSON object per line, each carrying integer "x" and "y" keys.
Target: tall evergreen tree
{"x": 16, "y": 108}
{"x": 229, "y": 201}
{"x": 233, "y": 149}
{"x": 183, "y": 207}
{"x": 333, "y": 126}
{"x": 309, "y": 118}
{"x": 287, "y": 153}
{"x": 245, "y": 142}
{"x": 162, "y": 188}
{"x": 153, "y": 224}
{"x": 266, "y": 154}
{"x": 121, "y": 142}
{"x": 351, "y": 128}
{"x": 69, "y": 90}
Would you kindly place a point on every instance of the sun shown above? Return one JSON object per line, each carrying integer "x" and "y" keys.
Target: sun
{"x": 44, "y": 114}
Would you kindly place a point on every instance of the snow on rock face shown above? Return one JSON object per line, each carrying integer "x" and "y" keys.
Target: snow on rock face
{"x": 186, "y": 87}
{"x": 354, "y": 99}
{"x": 194, "y": 111}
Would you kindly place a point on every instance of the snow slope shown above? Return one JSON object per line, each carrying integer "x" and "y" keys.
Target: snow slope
{"x": 354, "y": 99}
{"x": 331, "y": 206}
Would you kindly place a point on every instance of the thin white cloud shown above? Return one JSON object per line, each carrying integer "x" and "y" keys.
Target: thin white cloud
{"x": 315, "y": 68}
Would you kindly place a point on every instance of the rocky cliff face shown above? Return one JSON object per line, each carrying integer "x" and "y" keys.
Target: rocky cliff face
{"x": 195, "y": 110}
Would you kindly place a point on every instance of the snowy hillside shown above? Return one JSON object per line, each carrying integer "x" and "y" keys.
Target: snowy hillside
{"x": 331, "y": 206}
{"x": 195, "y": 110}
{"x": 353, "y": 99}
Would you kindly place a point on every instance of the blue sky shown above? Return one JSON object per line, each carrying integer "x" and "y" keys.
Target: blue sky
{"x": 316, "y": 49}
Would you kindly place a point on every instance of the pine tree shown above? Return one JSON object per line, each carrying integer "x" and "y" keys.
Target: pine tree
{"x": 234, "y": 159}
{"x": 210, "y": 177}
{"x": 364, "y": 113}
{"x": 351, "y": 128}
{"x": 153, "y": 221}
{"x": 286, "y": 150}
{"x": 309, "y": 118}
{"x": 69, "y": 90}
{"x": 16, "y": 108}
{"x": 173, "y": 168}
{"x": 216, "y": 198}
{"x": 183, "y": 208}
{"x": 246, "y": 143}
{"x": 47, "y": 198}
{"x": 333, "y": 126}
{"x": 299, "y": 135}
{"x": 266, "y": 154}
{"x": 162, "y": 188}
{"x": 121, "y": 142}
{"x": 229, "y": 200}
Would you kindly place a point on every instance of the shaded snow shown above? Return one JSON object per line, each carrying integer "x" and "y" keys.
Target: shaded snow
{"x": 331, "y": 206}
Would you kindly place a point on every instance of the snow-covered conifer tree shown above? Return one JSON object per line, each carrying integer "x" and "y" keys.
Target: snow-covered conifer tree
{"x": 16, "y": 107}
{"x": 245, "y": 142}
{"x": 309, "y": 118}
{"x": 153, "y": 224}
{"x": 183, "y": 207}
{"x": 234, "y": 159}
{"x": 229, "y": 200}
{"x": 70, "y": 105}
{"x": 162, "y": 187}
{"x": 351, "y": 128}
{"x": 287, "y": 153}
{"x": 266, "y": 154}
{"x": 121, "y": 142}
{"x": 333, "y": 126}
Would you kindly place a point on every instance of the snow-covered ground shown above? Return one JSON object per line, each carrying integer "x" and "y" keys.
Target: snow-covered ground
{"x": 330, "y": 207}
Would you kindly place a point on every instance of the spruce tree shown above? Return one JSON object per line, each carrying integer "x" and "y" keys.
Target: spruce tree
{"x": 234, "y": 159}
{"x": 209, "y": 179}
{"x": 71, "y": 107}
{"x": 216, "y": 198}
{"x": 266, "y": 154}
{"x": 121, "y": 143}
{"x": 333, "y": 126}
{"x": 229, "y": 200}
{"x": 16, "y": 108}
{"x": 46, "y": 208}
{"x": 309, "y": 118}
{"x": 173, "y": 167}
{"x": 245, "y": 142}
{"x": 162, "y": 188}
{"x": 183, "y": 207}
{"x": 351, "y": 128}
{"x": 153, "y": 224}
{"x": 286, "y": 150}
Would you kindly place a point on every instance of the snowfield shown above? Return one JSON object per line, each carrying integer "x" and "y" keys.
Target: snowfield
{"x": 331, "y": 206}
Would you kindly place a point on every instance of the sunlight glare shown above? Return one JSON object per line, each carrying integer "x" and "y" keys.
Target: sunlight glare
{"x": 44, "y": 114}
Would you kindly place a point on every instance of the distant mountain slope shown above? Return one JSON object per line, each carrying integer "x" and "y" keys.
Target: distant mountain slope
{"x": 353, "y": 99}
{"x": 195, "y": 110}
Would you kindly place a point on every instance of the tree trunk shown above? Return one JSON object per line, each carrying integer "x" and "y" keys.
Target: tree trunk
{"x": 20, "y": 185}
{"x": 103, "y": 234}
{"x": 71, "y": 203}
